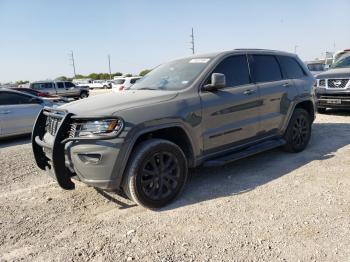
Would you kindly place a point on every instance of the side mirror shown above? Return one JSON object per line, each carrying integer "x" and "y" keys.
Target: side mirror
{"x": 217, "y": 81}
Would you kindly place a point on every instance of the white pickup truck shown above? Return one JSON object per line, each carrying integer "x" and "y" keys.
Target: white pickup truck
{"x": 61, "y": 88}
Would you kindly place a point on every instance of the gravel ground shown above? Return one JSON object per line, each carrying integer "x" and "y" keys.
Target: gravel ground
{"x": 273, "y": 207}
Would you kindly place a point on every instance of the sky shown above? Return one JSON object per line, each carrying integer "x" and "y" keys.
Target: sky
{"x": 36, "y": 36}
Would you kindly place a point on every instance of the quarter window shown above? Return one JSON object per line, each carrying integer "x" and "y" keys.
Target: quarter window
{"x": 265, "y": 68}
{"x": 291, "y": 67}
{"x": 235, "y": 68}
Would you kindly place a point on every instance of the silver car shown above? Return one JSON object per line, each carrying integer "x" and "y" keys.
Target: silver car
{"x": 18, "y": 112}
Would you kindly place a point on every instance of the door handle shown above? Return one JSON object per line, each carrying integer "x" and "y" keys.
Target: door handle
{"x": 285, "y": 84}
{"x": 5, "y": 112}
{"x": 249, "y": 92}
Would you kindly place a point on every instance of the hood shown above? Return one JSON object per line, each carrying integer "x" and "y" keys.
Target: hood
{"x": 335, "y": 73}
{"x": 108, "y": 103}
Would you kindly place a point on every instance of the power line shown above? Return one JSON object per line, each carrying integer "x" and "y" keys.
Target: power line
{"x": 192, "y": 41}
{"x": 72, "y": 62}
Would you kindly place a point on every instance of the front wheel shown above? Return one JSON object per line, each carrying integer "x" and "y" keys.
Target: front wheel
{"x": 156, "y": 174}
{"x": 298, "y": 132}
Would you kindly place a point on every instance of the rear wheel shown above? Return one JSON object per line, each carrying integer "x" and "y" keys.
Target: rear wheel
{"x": 83, "y": 95}
{"x": 321, "y": 110}
{"x": 156, "y": 174}
{"x": 298, "y": 132}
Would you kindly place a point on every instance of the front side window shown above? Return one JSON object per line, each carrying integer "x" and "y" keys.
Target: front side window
{"x": 174, "y": 75}
{"x": 235, "y": 69}
{"x": 291, "y": 67}
{"x": 7, "y": 98}
{"x": 68, "y": 84}
{"x": 265, "y": 68}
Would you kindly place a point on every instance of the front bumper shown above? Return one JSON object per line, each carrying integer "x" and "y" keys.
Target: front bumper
{"x": 92, "y": 161}
{"x": 333, "y": 101}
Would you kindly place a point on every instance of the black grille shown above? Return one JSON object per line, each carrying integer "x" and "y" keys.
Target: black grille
{"x": 337, "y": 83}
{"x": 322, "y": 82}
{"x": 52, "y": 124}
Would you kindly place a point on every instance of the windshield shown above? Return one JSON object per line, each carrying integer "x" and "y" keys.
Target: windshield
{"x": 344, "y": 62}
{"x": 175, "y": 75}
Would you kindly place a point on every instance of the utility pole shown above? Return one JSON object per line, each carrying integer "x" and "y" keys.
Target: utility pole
{"x": 109, "y": 66}
{"x": 192, "y": 41}
{"x": 72, "y": 61}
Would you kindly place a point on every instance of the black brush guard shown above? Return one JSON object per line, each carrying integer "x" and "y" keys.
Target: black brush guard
{"x": 56, "y": 166}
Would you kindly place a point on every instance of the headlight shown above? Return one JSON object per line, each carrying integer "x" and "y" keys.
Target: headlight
{"x": 97, "y": 128}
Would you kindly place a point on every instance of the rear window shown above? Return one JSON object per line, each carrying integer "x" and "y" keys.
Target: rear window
{"x": 60, "y": 85}
{"x": 265, "y": 68}
{"x": 39, "y": 86}
{"x": 291, "y": 67}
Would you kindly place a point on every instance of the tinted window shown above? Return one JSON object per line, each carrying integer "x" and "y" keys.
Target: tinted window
{"x": 14, "y": 99}
{"x": 133, "y": 81}
{"x": 265, "y": 68}
{"x": 69, "y": 84}
{"x": 119, "y": 81}
{"x": 60, "y": 85}
{"x": 235, "y": 68}
{"x": 291, "y": 67}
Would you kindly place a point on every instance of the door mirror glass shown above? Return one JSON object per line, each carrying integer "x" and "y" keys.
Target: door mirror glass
{"x": 217, "y": 81}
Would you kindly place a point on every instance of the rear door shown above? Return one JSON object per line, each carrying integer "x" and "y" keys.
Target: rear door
{"x": 230, "y": 115}
{"x": 17, "y": 113}
{"x": 71, "y": 89}
{"x": 273, "y": 90}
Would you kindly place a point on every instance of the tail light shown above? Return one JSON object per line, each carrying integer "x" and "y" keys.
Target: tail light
{"x": 121, "y": 88}
{"x": 42, "y": 94}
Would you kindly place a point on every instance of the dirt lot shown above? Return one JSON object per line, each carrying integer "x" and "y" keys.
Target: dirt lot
{"x": 273, "y": 207}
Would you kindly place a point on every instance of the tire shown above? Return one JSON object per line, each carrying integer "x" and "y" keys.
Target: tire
{"x": 298, "y": 132}
{"x": 83, "y": 95}
{"x": 156, "y": 174}
{"x": 105, "y": 87}
{"x": 321, "y": 110}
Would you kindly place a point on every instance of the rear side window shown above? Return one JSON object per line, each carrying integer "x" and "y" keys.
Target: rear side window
{"x": 7, "y": 98}
{"x": 235, "y": 68}
{"x": 60, "y": 85}
{"x": 265, "y": 68}
{"x": 291, "y": 67}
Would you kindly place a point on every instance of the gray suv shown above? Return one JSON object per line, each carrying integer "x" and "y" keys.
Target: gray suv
{"x": 203, "y": 110}
{"x": 61, "y": 88}
{"x": 333, "y": 86}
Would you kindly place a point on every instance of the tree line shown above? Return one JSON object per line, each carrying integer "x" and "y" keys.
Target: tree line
{"x": 93, "y": 76}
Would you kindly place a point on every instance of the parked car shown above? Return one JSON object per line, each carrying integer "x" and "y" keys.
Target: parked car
{"x": 18, "y": 112}
{"x": 316, "y": 67}
{"x": 333, "y": 86}
{"x": 123, "y": 83}
{"x": 98, "y": 84}
{"x": 203, "y": 110}
{"x": 53, "y": 98}
{"x": 60, "y": 88}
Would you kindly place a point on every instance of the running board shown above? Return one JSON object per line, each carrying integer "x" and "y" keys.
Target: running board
{"x": 252, "y": 150}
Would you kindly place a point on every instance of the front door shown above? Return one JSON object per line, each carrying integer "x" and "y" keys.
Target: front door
{"x": 231, "y": 114}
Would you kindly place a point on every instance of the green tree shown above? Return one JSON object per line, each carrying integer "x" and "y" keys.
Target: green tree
{"x": 117, "y": 74}
{"x": 21, "y": 82}
{"x": 144, "y": 72}
{"x": 128, "y": 75}
{"x": 62, "y": 78}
